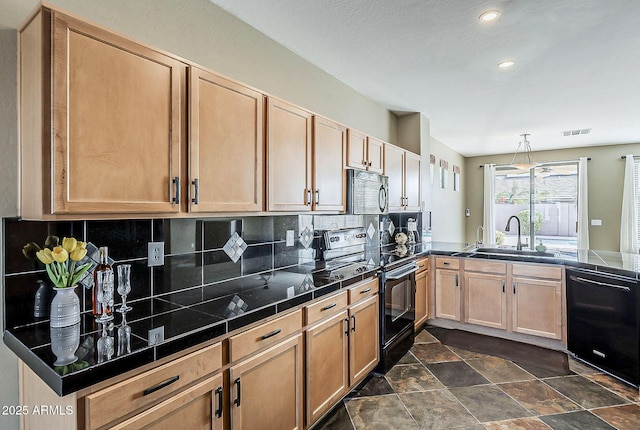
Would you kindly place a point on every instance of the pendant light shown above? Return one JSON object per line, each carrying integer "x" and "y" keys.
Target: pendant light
{"x": 525, "y": 160}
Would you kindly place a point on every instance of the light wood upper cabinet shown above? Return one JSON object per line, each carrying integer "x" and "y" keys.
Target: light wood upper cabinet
{"x": 403, "y": 169}
{"x": 108, "y": 138}
{"x": 329, "y": 159}
{"x": 226, "y": 145}
{"x": 288, "y": 157}
{"x": 364, "y": 152}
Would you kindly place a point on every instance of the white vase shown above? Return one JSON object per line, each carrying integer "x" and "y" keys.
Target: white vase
{"x": 65, "y": 307}
{"x": 64, "y": 343}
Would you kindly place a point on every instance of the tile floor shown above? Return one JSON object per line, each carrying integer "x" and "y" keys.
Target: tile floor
{"x": 441, "y": 387}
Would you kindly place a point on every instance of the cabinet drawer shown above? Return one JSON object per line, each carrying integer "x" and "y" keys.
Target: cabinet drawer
{"x": 447, "y": 263}
{"x": 264, "y": 335}
{"x": 423, "y": 265}
{"x": 142, "y": 390}
{"x": 362, "y": 291}
{"x": 325, "y": 307}
{"x": 485, "y": 266}
{"x": 537, "y": 271}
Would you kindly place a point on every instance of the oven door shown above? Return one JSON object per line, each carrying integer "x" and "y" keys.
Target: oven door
{"x": 399, "y": 301}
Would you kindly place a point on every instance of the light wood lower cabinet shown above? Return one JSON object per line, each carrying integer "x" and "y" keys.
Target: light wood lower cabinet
{"x": 537, "y": 307}
{"x": 485, "y": 293}
{"x": 364, "y": 341}
{"x": 447, "y": 289}
{"x": 198, "y": 407}
{"x": 422, "y": 293}
{"x": 266, "y": 389}
{"x": 327, "y": 360}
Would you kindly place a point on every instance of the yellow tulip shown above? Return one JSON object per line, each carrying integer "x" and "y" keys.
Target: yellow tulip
{"x": 45, "y": 256}
{"x": 69, "y": 244}
{"x": 78, "y": 253}
{"x": 60, "y": 254}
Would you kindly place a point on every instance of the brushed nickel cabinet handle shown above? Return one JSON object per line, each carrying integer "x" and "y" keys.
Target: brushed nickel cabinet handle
{"x": 176, "y": 182}
{"x": 318, "y": 197}
{"x": 273, "y": 333}
{"x": 326, "y": 308}
{"x": 196, "y": 191}
{"x": 365, "y": 291}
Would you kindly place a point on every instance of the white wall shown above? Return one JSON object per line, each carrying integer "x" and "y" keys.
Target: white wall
{"x": 447, "y": 206}
{"x": 8, "y": 200}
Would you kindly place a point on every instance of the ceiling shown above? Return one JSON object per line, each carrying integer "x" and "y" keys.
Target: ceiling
{"x": 577, "y": 63}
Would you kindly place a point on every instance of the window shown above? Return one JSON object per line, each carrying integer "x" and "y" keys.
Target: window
{"x": 636, "y": 178}
{"x": 545, "y": 197}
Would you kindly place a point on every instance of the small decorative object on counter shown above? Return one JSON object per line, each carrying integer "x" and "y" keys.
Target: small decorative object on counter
{"x": 41, "y": 302}
{"x": 64, "y": 343}
{"x": 411, "y": 231}
{"x": 540, "y": 247}
{"x": 103, "y": 286}
{"x": 124, "y": 286}
{"x": 60, "y": 263}
{"x": 104, "y": 345}
{"x": 401, "y": 238}
{"x": 124, "y": 336}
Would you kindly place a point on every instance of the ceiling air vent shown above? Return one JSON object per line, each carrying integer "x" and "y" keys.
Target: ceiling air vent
{"x": 576, "y": 132}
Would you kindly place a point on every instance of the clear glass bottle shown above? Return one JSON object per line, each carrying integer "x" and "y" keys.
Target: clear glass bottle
{"x": 103, "y": 285}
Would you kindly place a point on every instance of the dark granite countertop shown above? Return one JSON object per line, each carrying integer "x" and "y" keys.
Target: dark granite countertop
{"x": 190, "y": 318}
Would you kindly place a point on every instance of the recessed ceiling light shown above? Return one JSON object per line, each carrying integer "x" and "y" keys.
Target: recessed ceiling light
{"x": 489, "y": 15}
{"x": 506, "y": 64}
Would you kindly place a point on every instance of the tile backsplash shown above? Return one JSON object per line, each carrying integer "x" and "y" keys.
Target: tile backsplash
{"x": 197, "y": 261}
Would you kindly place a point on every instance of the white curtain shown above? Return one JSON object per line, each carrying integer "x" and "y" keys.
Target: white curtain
{"x": 629, "y": 221}
{"x": 488, "y": 223}
{"x": 583, "y": 205}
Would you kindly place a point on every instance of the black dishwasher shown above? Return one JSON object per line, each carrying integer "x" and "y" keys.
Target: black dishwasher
{"x": 602, "y": 322}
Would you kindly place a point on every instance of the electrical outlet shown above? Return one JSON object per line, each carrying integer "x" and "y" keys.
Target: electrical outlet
{"x": 156, "y": 335}
{"x": 290, "y": 238}
{"x": 155, "y": 256}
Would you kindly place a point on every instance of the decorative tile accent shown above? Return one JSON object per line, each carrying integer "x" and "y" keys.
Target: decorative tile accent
{"x": 306, "y": 285}
{"x": 371, "y": 230}
{"x": 92, "y": 257}
{"x": 236, "y": 307}
{"x": 391, "y": 228}
{"x": 235, "y": 247}
{"x": 306, "y": 237}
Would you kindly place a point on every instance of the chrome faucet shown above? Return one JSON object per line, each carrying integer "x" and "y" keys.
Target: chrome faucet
{"x": 519, "y": 245}
{"x": 479, "y": 239}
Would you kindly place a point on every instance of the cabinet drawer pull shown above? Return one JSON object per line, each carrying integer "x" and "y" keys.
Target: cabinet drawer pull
{"x": 176, "y": 182}
{"x": 365, "y": 291}
{"x": 353, "y": 328}
{"x": 446, "y": 263}
{"x": 218, "y": 393}
{"x": 237, "y": 383}
{"x": 196, "y": 191}
{"x": 273, "y": 333}
{"x": 160, "y": 385}
{"x": 326, "y": 308}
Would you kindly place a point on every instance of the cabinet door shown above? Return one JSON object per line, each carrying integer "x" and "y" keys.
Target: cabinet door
{"x": 288, "y": 157}
{"x": 421, "y": 298}
{"x": 375, "y": 155}
{"x": 117, "y": 123}
{"x": 356, "y": 149}
{"x": 394, "y": 169}
{"x": 329, "y": 151}
{"x": 537, "y": 307}
{"x": 226, "y": 141}
{"x": 412, "y": 181}
{"x": 485, "y": 300}
{"x": 327, "y": 370}
{"x": 198, "y": 407}
{"x": 266, "y": 389}
{"x": 364, "y": 340}
{"x": 447, "y": 291}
